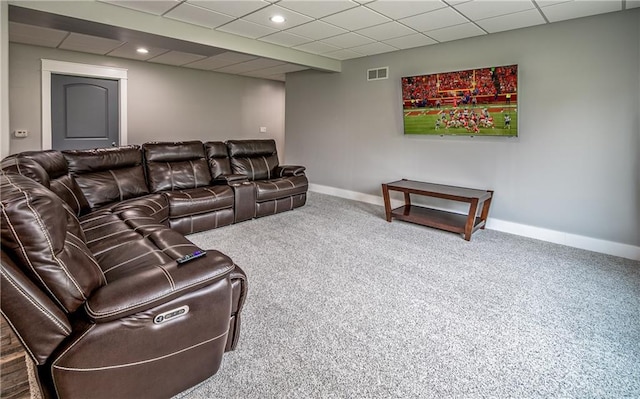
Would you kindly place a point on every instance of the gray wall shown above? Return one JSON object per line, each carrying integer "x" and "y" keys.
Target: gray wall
{"x": 164, "y": 102}
{"x": 574, "y": 167}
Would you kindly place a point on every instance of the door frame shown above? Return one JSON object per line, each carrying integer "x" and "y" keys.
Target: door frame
{"x": 85, "y": 70}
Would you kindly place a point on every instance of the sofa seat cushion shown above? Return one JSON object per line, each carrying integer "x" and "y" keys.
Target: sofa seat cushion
{"x": 267, "y": 190}
{"x": 130, "y": 241}
{"x": 152, "y": 205}
{"x": 199, "y": 200}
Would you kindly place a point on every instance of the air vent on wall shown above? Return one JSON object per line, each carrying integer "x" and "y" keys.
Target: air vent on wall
{"x": 378, "y": 73}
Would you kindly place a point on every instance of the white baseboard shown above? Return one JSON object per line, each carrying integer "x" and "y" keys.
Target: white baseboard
{"x": 572, "y": 240}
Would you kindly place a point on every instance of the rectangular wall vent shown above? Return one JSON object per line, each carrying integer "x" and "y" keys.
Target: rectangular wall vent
{"x": 378, "y": 73}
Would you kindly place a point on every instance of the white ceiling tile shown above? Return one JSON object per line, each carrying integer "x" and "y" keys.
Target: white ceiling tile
{"x": 198, "y": 16}
{"x": 285, "y": 68}
{"x": 455, "y": 32}
{"x": 317, "y": 9}
{"x": 374, "y": 48}
{"x": 129, "y": 50}
{"x": 434, "y": 20}
{"x": 176, "y": 58}
{"x": 317, "y": 30}
{"x": 512, "y": 21}
{"x": 262, "y": 63}
{"x": 239, "y": 68}
{"x": 233, "y": 56}
{"x": 481, "y": 9}
{"x": 89, "y": 44}
{"x": 398, "y": 9}
{"x": 316, "y": 47}
{"x": 356, "y": 18}
{"x": 210, "y": 63}
{"x": 343, "y": 54}
{"x": 545, "y": 3}
{"x": 231, "y": 7}
{"x": 386, "y": 31}
{"x": 285, "y": 39}
{"x": 155, "y": 7}
{"x": 247, "y": 29}
{"x": 347, "y": 40}
{"x": 35, "y": 35}
{"x": 263, "y": 16}
{"x": 410, "y": 41}
{"x": 579, "y": 8}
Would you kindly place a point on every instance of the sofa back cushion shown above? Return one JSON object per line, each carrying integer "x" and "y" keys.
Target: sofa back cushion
{"x": 50, "y": 169}
{"x": 256, "y": 159}
{"x": 106, "y": 175}
{"x": 218, "y": 158}
{"x": 43, "y": 237}
{"x": 176, "y": 166}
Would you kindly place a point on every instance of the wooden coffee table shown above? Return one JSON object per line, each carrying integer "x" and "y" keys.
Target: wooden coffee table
{"x": 444, "y": 220}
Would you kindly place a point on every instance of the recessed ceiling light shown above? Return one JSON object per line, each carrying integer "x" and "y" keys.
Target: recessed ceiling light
{"x": 277, "y": 19}
{"x": 142, "y": 50}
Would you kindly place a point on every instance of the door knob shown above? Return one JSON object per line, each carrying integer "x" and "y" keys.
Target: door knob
{"x": 113, "y": 144}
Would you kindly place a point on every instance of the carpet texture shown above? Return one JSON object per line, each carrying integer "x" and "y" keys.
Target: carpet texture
{"x": 342, "y": 304}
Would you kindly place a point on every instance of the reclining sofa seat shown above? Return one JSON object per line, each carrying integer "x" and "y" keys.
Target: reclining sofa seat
{"x": 277, "y": 188}
{"x": 126, "y": 235}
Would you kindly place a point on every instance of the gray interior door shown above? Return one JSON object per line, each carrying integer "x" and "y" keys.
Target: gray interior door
{"x": 84, "y": 112}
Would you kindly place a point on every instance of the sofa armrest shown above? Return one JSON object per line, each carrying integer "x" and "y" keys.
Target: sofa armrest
{"x": 149, "y": 288}
{"x": 230, "y": 179}
{"x": 290, "y": 170}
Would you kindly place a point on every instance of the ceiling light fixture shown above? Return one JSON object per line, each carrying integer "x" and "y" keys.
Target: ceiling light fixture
{"x": 277, "y": 19}
{"x": 142, "y": 50}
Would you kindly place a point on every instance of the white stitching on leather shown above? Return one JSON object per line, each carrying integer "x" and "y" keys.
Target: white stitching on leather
{"x": 253, "y": 171}
{"x": 142, "y": 361}
{"x": 53, "y": 364}
{"x": 137, "y": 304}
{"x": 15, "y": 331}
{"x": 170, "y": 175}
{"x": 172, "y": 283}
{"x": 193, "y": 169}
{"x": 131, "y": 260}
{"x": 88, "y": 257}
{"x": 266, "y": 164}
{"x": 100, "y": 225}
{"x": 44, "y": 311}
{"x": 108, "y": 235}
{"x": 73, "y": 195}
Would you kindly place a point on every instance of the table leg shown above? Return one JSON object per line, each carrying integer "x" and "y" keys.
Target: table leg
{"x": 468, "y": 228}
{"x": 387, "y": 202}
{"x": 485, "y": 210}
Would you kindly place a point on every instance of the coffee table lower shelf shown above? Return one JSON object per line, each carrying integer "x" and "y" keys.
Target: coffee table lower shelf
{"x": 443, "y": 220}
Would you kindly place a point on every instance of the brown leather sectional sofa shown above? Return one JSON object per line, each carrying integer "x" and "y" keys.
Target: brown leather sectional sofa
{"x": 90, "y": 281}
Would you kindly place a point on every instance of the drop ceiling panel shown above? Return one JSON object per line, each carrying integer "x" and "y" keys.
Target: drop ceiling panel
{"x": 374, "y": 48}
{"x": 401, "y": 8}
{"x": 210, "y": 63}
{"x": 129, "y": 50}
{"x": 292, "y": 18}
{"x": 198, "y": 16}
{"x": 434, "y": 20}
{"x": 386, "y": 31}
{"x": 347, "y": 40}
{"x": 476, "y": 10}
{"x": 231, "y": 7}
{"x": 317, "y": 30}
{"x": 176, "y": 58}
{"x": 577, "y": 9}
{"x": 317, "y": 48}
{"x": 317, "y": 9}
{"x": 155, "y": 7}
{"x": 35, "y": 35}
{"x": 285, "y": 68}
{"x": 410, "y": 41}
{"x": 285, "y": 39}
{"x": 455, "y": 32}
{"x": 89, "y": 44}
{"x": 512, "y": 21}
{"x": 356, "y": 18}
{"x": 343, "y": 54}
{"x": 236, "y": 57}
{"x": 260, "y": 63}
{"x": 247, "y": 29}
{"x": 238, "y": 68}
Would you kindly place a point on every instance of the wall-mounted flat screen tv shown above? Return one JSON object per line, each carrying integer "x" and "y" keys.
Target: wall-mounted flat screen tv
{"x": 473, "y": 102}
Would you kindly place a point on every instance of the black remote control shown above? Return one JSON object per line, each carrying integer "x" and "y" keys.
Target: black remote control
{"x": 191, "y": 256}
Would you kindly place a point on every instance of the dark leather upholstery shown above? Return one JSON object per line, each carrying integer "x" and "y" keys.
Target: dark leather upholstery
{"x": 107, "y": 175}
{"x": 277, "y": 188}
{"x": 90, "y": 240}
{"x": 182, "y": 170}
